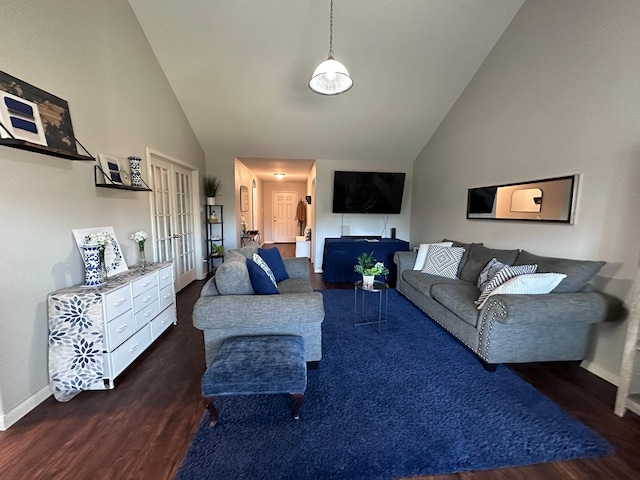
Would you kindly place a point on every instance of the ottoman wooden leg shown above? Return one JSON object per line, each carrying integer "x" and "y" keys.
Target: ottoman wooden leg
{"x": 208, "y": 403}
{"x": 298, "y": 399}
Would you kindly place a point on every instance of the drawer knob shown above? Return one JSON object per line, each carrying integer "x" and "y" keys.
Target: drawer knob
{"x": 122, "y": 328}
{"x": 118, "y": 302}
{"x": 134, "y": 348}
{"x": 147, "y": 298}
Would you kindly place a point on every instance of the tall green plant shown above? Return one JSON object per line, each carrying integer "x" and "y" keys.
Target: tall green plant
{"x": 211, "y": 185}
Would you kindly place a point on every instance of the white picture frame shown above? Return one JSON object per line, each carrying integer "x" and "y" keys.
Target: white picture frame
{"x": 113, "y": 258}
{"x": 112, "y": 167}
{"x": 21, "y": 118}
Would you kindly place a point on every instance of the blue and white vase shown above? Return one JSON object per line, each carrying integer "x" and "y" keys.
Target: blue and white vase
{"x": 136, "y": 178}
{"x": 92, "y": 265}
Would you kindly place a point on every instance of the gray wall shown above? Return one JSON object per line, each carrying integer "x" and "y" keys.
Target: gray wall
{"x": 559, "y": 94}
{"x": 93, "y": 54}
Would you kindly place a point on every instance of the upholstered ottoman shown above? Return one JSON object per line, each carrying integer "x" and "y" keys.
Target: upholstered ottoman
{"x": 252, "y": 365}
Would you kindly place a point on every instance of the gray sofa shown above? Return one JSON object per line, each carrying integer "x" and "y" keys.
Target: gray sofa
{"x": 511, "y": 328}
{"x": 228, "y": 306}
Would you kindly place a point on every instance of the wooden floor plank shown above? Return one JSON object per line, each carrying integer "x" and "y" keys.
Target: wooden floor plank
{"x": 142, "y": 428}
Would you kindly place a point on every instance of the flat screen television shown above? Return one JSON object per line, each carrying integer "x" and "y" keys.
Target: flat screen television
{"x": 367, "y": 192}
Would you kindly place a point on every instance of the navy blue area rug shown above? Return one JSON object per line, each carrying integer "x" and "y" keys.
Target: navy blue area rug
{"x": 407, "y": 401}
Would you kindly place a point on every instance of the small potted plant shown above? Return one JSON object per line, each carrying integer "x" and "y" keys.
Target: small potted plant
{"x": 369, "y": 267}
{"x": 217, "y": 250}
{"x": 211, "y": 186}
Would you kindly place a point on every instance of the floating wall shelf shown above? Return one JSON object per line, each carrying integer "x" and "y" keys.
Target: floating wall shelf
{"x": 34, "y": 147}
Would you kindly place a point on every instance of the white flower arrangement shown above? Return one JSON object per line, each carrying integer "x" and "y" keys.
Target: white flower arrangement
{"x": 140, "y": 237}
{"x": 101, "y": 239}
{"x": 243, "y": 224}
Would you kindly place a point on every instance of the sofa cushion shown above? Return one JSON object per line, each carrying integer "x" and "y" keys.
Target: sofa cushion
{"x": 248, "y": 250}
{"x": 579, "y": 272}
{"x": 295, "y": 285}
{"x": 209, "y": 289}
{"x": 504, "y": 274}
{"x": 274, "y": 260}
{"x": 263, "y": 265}
{"x": 478, "y": 258}
{"x": 459, "y": 299}
{"x": 527, "y": 284}
{"x": 262, "y": 284}
{"x": 421, "y": 256}
{"x": 232, "y": 277}
{"x": 467, "y": 248}
{"x": 488, "y": 272}
{"x": 423, "y": 281}
{"x": 443, "y": 261}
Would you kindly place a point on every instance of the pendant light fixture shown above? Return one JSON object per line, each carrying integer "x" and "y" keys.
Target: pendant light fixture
{"x": 330, "y": 77}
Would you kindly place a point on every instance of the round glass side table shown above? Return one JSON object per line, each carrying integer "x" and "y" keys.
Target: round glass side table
{"x": 366, "y": 312}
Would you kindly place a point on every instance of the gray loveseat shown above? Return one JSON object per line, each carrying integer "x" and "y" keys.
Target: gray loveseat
{"x": 228, "y": 306}
{"x": 511, "y": 328}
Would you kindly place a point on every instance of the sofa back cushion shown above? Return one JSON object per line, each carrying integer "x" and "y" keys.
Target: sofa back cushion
{"x": 478, "y": 258}
{"x": 467, "y": 247}
{"x": 579, "y": 272}
{"x": 232, "y": 277}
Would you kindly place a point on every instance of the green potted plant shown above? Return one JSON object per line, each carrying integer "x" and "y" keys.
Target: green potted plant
{"x": 211, "y": 186}
{"x": 217, "y": 250}
{"x": 368, "y": 267}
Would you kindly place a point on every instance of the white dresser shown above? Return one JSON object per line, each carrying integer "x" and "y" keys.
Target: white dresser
{"x": 95, "y": 334}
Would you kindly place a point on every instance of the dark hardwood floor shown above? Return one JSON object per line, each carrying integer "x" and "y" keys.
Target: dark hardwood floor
{"x": 141, "y": 429}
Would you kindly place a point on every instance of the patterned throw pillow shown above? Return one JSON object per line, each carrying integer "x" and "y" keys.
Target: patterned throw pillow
{"x": 421, "y": 257}
{"x": 443, "y": 261}
{"x": 528, "y": 284}
{"x": 505, "y": 273}
{"x": 263, "y": 265}
{"x": 489, "y": 271}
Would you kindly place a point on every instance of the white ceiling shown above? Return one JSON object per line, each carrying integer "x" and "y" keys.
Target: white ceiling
{"x": 240, "y": 69}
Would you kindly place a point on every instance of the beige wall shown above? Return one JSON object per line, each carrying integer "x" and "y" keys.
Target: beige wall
{"x": 558, "y": 95}
{"x": 94, "y": 55}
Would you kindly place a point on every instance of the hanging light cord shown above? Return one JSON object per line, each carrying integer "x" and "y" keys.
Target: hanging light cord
{"x": 331, "y": 31}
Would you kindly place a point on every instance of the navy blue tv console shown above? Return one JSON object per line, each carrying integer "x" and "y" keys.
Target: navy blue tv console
{"x": 340, "y": 256}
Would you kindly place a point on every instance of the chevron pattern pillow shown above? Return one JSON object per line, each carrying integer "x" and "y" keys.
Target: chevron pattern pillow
{"x": 443, "y": 261}
{"x": 505, "y": 273}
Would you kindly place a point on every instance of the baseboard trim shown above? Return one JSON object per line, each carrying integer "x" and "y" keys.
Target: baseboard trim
{"x": 601, "y": 372}
{"x": 16, "y": 413}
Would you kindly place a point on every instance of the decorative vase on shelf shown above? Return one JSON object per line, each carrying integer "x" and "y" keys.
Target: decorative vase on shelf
{"x": 143, "y": 258}
{"x": 92, "y": 265}
{"x": 136, "y": 178}
{"x": 367, "y": 281}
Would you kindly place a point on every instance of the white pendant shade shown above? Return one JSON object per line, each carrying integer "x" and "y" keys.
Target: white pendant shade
{"x": 330, "y": 78}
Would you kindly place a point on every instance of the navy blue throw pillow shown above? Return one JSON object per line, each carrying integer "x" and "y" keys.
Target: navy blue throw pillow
{"x": 274, "y": 260}
{"x": 260, "y": 281}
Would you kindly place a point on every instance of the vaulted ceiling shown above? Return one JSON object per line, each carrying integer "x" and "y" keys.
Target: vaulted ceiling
{"x": 240, "y": 69}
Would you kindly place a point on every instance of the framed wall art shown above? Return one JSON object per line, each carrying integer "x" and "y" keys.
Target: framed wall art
{"x": 112, "y": 169}
{"x": 30, "y": 114}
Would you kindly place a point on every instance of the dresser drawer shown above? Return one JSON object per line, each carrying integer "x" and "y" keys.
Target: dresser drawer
{"x": 117, "y": 302}
{"x": 162, "y": 322}
{"x": 119, "y": 329}
{"x": 166, "y": 297}
{"x": 126, "y": 353}
{"x": 147, "y": 314}
{"x": 165, "y": 276}
{"x": 145, "y": 298}
{"x": 144, "y": 283}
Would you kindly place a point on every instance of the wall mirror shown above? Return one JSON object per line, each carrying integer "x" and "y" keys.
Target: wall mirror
{"x": 244, "y": 198}
{"x": 549, "y": 200}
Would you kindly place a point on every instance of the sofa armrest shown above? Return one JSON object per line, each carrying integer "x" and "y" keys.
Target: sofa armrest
{"x": 404, "y": 261}
{"x": 297, "y": 267}
{"x": 586, "y": 307}
{"x": 222, "y": 311}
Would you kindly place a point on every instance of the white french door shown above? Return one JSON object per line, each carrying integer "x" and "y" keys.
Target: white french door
{"x": 284, "y": 216}
{"x": 173, "y": 218}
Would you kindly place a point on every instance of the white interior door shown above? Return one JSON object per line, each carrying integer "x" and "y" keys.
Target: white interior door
{"x": 285, "y": 224}
{"x": 173, "y": 219}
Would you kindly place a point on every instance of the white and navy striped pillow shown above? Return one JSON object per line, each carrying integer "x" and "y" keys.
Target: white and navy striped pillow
{"x": 528, "y": 284}
{"x": 505, "y": 273}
